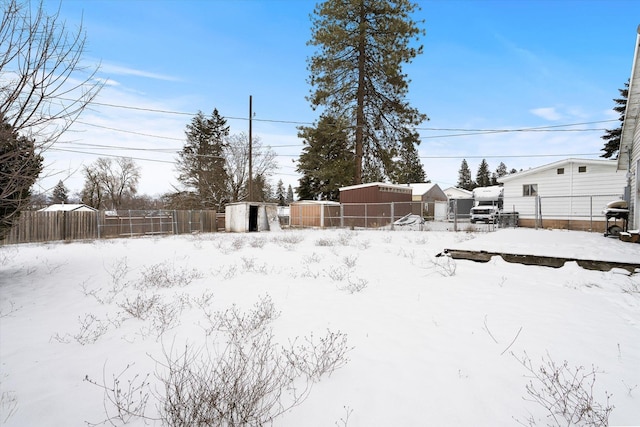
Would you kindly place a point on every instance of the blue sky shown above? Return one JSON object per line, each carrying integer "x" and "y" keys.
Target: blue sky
{"x": 486, "y": 65}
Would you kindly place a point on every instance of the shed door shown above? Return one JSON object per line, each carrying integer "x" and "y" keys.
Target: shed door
{"x": 253, "y": 218}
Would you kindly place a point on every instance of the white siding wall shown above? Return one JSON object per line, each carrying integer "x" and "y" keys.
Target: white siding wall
{"x": 635, "y": 178}
{"x": 599, "y": 179}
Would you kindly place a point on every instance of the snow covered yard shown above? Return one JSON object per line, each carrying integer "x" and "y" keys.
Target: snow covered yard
{"x": 432, "y": 341}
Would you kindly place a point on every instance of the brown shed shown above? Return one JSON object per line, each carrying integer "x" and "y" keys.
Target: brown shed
{"x": 314, "y": 213}
{"x": 375, "y": 204}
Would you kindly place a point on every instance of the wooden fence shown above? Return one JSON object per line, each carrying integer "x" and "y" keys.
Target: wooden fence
{"x": 49, "y": 226}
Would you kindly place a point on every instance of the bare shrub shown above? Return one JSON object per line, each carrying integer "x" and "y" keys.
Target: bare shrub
{"x": 257, "y": 243}
{"x": 325, "y": 242}
{"x": 250, "y": 265}
{"x": 141, "y": 306}
{"x": 167, "y": 275}
{"x": 91, "y": 329}
{"x": 124, "y": 401}
{"x": 566, "y": 393}
{"x": 8, "y": 404}
{"x": 338, "y": 273}
{"x": 344, "y": 421}
{"x": 314, "y": 258}
{"x": 445, "y": 266}
{"x": 354, "y": 285}
{"x": 204, "y": 300}
{"x": 242, "y": 325}
{"x": 350, "y": 261}
{"x": 248, "y": 381}
{"x": 316, "y": 358}
{"x": 288, "y": 239}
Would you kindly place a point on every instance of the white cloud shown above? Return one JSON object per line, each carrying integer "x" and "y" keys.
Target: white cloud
{"x": 547, "y": 113}
{"x": 126, "y": 71}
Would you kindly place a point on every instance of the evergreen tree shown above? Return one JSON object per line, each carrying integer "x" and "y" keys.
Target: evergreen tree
{"x": 60, "y": 193}
{"x": 464, "y": 177}
{"x": 326, "y": 162}
{"x": 408, "y": 168}
{"x": 501, "y": 171}
{"x": 357, "y": 73}
{"x": 513, "y": 170}
{"x": 280, "y": 195}
{"x": 483, "y": 177}
{"x": 612, "y": 136}
{"x": 289, "y": 199}
{"x": 20, "y": 167}
{"x": 201, "y": 163}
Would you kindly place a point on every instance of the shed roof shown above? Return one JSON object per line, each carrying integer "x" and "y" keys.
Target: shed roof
{"x": 533, "y": 171}
{"x": 420, "y": 188}
{"x": 68, "y": 207}
{"x": 315, "y": 202}
{"x": 375, "y": 184}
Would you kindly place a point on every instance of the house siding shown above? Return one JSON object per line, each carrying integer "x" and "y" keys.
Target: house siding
{"x": 573, "y": 196}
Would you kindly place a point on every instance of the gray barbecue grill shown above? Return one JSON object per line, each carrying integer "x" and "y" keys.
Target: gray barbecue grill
{"x": 616, "y": 210}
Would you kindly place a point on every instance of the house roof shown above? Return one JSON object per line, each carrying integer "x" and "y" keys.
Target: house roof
{"x": 532, "y": 171}
{"x": 633, "y": 109}
{"x": 458, "y": 193}
{"x": 374, "y": 184}
{"x": 67, "y": 207}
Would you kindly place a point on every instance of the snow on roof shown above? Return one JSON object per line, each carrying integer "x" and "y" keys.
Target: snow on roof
{"x": 68, "y": 207}
{"x": 420, "y": 188}
{"x": 315, "y": 202}
{"x": 553, "y": 165}
{"x": 458, "y": 193}
{"x": 374, "y": 184}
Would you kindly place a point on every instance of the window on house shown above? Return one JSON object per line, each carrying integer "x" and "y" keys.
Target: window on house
{"x": 530, "y": 190}
{"x": 582, "y": 169}
{"x": 560, "y": 171}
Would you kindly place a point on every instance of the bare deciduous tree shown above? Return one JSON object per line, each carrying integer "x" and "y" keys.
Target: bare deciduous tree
{"x": 43, "y": 84}
{"x": 237, "y": 158}
{"x": 43, "y": 89}
{"x": 109, "y": 182}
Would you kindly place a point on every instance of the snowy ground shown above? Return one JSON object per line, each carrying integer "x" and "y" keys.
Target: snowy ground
{"x": 434, "y": 341}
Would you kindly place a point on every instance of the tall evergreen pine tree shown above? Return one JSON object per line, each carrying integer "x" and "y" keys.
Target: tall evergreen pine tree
{"x": 201, "y": 163}
{"x": 483, "y": 177}
{"x": 612, "y": 136}
{"x": 464, "y": 177}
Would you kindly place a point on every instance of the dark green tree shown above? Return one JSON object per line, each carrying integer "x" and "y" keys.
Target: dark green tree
{"x": 612, "y": 136}
{"x": 201, "y": 164}
{"x": 281, "y": 198}
{"x": 464, "y": 177}
{"x": 326, "y": 162}
{"x": 357, "y": 74}
{"x": 501, "y": 171}
{"x": 483, "y": 177}
{"x": 20, "y": 166}
{"x": 407, "y": 165}
{"x": 289, "y": 199}
{"x": 60, "y": 193}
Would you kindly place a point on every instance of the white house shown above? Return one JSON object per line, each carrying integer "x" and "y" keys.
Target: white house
{"x": 629, "y": 157}
{"x": 68, "y": 207}
{"x": 569, "y": 193}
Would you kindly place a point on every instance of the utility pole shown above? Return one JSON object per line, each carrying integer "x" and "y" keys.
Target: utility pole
{"x": 250, "y": 152}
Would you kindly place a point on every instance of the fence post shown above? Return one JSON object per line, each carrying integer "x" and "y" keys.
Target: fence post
{"x": 130, "y": 224}
{"x": 590, "y": 213}
{"x": 455, "y": 214}
{"x": 341, "y": 215}
{"x": 393, "y": 205}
